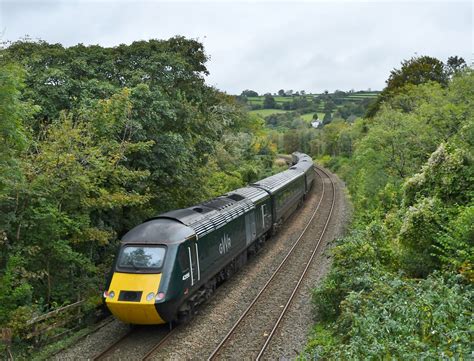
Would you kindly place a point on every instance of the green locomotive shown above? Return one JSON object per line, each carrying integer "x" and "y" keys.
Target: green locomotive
{"x": 170, "y": 264}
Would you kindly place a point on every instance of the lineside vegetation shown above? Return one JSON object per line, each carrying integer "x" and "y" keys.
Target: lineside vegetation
{"x": 401, "y": 284}
{"x": 93, "y": 141}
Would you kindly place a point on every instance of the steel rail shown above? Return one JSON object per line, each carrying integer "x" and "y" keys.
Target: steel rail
{"x": 303, "y": 275}
{"x": 152, "y": 350}
{"x": 100, "y": 325}
{"x": 102, "y": 353}
{"x": 148, "y": 355}
{"x": 257, "y": 297}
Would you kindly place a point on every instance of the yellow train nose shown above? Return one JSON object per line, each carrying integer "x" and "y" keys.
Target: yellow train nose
{"x": 134, "y": 298}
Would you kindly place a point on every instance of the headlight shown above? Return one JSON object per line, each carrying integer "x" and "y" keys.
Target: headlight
{"x": 160, "y": 296}
{"x": 110, "y": 294}
{"x": 150, "y": 296}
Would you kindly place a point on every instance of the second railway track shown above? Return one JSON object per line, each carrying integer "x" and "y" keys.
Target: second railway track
{"x": 252, "y": 332}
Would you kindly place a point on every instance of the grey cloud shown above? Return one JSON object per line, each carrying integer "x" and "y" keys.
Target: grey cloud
{"x": 261, "y": 45}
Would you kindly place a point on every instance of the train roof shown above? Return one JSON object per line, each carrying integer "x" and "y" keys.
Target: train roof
{"x": 304, "y": 165}
{"x": 301, "y": 157}
{"x": 252, "y": 193}
{"x": 165, "y": 231}
{"x": 203, "y": 218}
{"x": 208, "y": 216}
{"x": 302, "y": 161}
{"x": 278, "y": 181}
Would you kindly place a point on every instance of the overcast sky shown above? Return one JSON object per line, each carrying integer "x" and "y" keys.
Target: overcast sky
{"x": 263, "y": 45}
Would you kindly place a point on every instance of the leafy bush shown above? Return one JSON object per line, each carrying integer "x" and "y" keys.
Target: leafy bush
{"x": 402, "y": 319}
{"x": 422, "y": 223}
{"x": 356, "y": 267}
{"x": 401, "y": 285}
{"x": 456, "y": 246}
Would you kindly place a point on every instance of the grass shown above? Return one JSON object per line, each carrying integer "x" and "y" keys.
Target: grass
{"x": 283, "y": 99}
{"x": 267, "y": 112}
{"x": 278, "y": 99}
{"x": 348, "y": 98}
{"x": 308, "y": 117}
{"x": 255, "y": 100}
{"x": 363, "y": 95}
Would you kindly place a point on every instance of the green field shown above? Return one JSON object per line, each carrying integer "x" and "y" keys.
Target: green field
{"x": 307, "y": 117}
{"x": 259, "y": 100}
{"x": 280, "y": 100}
{"x": 283, "y": 99}
{"x": 363, "y": 95}
{"x": 267, "y": 112}
{"x": 255, "y": 100}
{"x": 353, "y": 98}
{"x": 320, "y": 116}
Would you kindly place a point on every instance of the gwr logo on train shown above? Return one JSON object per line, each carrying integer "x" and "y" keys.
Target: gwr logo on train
{"x": 225, "y": 244}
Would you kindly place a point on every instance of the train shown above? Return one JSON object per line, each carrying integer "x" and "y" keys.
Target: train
{"x": 170, "y": 264}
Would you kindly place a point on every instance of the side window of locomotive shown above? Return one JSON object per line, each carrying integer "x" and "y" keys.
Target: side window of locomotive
{"x": 183, "y": 259}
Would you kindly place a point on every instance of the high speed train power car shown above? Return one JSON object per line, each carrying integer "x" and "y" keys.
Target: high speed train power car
{"x": 170, "y": 264}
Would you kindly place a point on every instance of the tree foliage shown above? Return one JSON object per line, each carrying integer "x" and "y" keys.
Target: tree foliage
{"x": 414, "y": 71}
{"x": 93, "y": 141}
{"x": 401, "y": 282}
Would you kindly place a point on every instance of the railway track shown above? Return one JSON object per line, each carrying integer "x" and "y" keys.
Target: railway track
{"x": 258, "y": 324}
{"x": 146, "y": 341}
{"x": 140, "y": 339}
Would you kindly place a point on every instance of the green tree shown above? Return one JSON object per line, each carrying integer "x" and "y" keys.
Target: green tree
{"x": 249, "y": 93}
{"x": 327, "y": 118}
{"x": 415, "y": 71}
{"x": 269, "y": 102}
{"x": 116, "y": 135}
{"x": 455, "y": 65}
{"x": 405, "y": 272}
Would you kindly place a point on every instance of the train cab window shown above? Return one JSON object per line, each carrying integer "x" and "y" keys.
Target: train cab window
{"x": 183, "y": 259}
{"x": 141, "y": 258}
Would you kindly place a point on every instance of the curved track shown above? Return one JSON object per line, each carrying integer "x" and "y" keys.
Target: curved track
{"x": 258, "y": 324}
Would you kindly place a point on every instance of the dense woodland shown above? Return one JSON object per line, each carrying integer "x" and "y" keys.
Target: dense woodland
{"x": 95, "y": 140}
{"x": 401, "y": 285}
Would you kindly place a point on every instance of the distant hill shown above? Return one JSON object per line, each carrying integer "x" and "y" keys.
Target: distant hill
{"x": 347, "y": 103}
